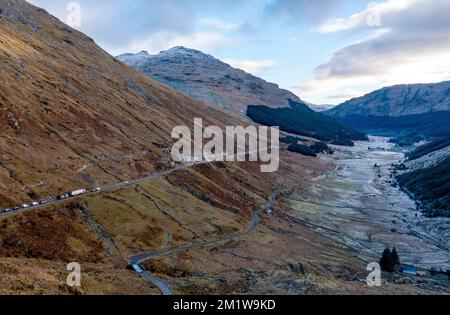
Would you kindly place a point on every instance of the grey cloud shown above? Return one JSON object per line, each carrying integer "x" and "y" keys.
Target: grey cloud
{"x": 419, "y": 30}
{"x": 118, "y": 23}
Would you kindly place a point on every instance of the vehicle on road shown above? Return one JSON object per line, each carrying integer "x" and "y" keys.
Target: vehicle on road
{"x": 62, "y": 197}
{"x": 138, "y": 268}
{"x": 77, "y": 192}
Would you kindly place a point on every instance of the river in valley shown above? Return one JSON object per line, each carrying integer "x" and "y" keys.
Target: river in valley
{"x": 359, "y": 206}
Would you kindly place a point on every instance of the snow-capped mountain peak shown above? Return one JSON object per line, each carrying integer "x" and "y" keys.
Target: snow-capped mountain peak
{"x": 205, "y": 78}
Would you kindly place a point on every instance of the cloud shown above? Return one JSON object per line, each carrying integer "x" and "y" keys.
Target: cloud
{"x": 251, "y": 66}
{"x": 205, "y": 41}
{"x": 117, "y": 25}
{"x": 371, "y": 17}
{"x": 219, "y": 25}
{"x": 411, "y": 45}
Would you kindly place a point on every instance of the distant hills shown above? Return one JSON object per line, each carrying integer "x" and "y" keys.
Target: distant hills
{"x": 214, "y": 82}
{"x": 398, "y": 100}
{"x": 207, "y": 79}
{"x": 408, "y": 112}
{"x": 320, "y": 108}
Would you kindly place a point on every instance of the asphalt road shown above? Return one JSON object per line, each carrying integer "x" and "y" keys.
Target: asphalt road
{"x": 136, "y": 260}
{"x": 54, "y": 201}
{"x": 165, "y": 290}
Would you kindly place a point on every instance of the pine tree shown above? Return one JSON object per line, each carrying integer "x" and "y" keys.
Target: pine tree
{"x": 387, "y": 261}
{"x": 395, "y": 257}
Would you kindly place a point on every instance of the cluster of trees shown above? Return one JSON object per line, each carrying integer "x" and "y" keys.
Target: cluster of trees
{"x": 321, "y": 147}
{"x": 302, "y": 149}
{"x": 299, "y": 119}
{"x": 390, "y": 261}
{"x": 290, "y": 140}
{"x": 313, "y": 150}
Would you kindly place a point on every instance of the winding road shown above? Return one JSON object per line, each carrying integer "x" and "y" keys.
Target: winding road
{"x": 55, "y": 201}
{"x": 165, "y": 290}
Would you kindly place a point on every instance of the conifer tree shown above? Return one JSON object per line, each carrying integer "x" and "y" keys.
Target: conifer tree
{"x": 387, "y": 261}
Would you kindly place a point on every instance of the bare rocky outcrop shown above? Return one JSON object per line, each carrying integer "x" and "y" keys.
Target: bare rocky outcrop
{"x": 399, "y": 100}
{"x": 208, "y": 79}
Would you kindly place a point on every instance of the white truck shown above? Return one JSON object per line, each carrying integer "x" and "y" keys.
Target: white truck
{"x": 77, "y": 192}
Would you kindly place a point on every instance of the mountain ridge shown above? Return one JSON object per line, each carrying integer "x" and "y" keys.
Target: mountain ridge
{"x": 398, "y": 100}
{"x": 210, "y": 80}
{"x": 408, "y": 113}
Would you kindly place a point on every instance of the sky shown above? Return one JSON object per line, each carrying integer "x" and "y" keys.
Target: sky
{"x": 325, "y": 51}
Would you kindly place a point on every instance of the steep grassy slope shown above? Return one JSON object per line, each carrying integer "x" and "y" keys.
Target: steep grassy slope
{"x": 68, "y": 108}
{"x": 72, "y": 116}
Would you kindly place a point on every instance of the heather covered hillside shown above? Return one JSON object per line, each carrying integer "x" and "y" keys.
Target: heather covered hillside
{"x": 69, "y": 108}
{"x": 87, "y": 177}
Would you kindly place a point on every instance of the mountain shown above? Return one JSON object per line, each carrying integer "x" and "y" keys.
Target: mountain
{"x": 320, "y": 108}
{"x": 430, "y": 187}
{"x": 65, "y": 104}
{"x": 396, "y": 101}
{"x": 410, "y": 113}
{"x": 71, "y": 117}
{"x": 208, "y": 79}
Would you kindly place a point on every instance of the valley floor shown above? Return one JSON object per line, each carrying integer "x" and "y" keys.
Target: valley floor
{"x": 372, "y": 213}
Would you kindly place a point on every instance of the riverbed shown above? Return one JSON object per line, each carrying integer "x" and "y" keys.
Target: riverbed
{"x": 362, "y": 209}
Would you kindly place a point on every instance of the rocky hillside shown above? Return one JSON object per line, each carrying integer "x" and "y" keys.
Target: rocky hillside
{"x": 409, "y": 113}
{"x": 397, "y": 101}
{"x": 67, "y": 107}
{"x": 209, "y": 80}
{"x": 72, "y": 116}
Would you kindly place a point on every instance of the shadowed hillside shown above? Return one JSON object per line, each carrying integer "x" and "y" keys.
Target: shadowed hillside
{"x": 299, "y": 119}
